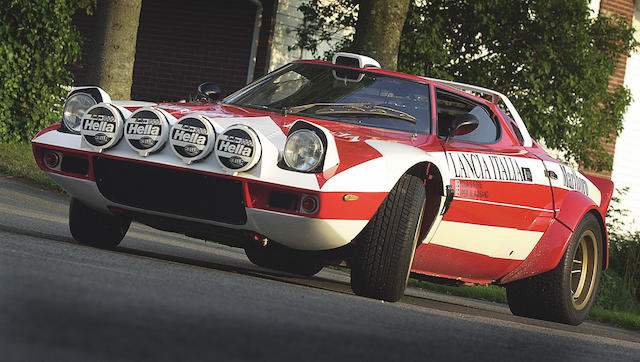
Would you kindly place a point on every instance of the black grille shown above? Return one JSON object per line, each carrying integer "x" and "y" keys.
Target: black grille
{"x": 177, "y": 192}
{"x": 75, "y": 165}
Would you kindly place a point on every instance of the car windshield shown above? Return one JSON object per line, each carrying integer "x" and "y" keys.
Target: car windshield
{"x": 343, "y": 95}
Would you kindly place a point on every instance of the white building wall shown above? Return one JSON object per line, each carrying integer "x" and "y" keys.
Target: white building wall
{"x": 288, "y": 17}
{"x": 594, "y": 5}
{"x": 626, "y": 163}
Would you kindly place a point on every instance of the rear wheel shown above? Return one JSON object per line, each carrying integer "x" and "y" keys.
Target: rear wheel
{"x": 566, "y": 293}
{"x": 385, "y": 248}
{"x": 278, "y": 257}
{"x": 95, "y": 228}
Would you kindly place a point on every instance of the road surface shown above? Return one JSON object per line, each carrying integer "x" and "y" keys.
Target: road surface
{"x": 162, "y": 296}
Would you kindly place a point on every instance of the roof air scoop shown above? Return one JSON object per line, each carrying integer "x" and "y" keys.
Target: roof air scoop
{"x": 354, "y": 60}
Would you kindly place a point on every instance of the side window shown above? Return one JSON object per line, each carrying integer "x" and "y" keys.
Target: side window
{"x": 451, "y": 106}
{"x": 513, "y": 125}
{"x": 517, "y": 132}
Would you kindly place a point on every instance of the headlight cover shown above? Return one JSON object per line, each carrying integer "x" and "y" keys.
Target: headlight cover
{"x": 74, "y": 108}
{"x": 303, "y": 150}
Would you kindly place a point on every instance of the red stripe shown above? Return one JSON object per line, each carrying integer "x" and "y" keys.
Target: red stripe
{"x": 331, "y": 204}
{"x": 38, "y": 152}
{"x": 498, "y": 215}
{"x": 441, "y": 261}
{"x": 49, "y": 129}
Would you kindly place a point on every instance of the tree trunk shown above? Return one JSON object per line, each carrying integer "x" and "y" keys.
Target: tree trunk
{"x": 113, "y": 55}
{"x": 379, "y": 28}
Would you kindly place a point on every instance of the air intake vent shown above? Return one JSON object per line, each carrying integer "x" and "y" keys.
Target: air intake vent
{"x": 354, "y": 60}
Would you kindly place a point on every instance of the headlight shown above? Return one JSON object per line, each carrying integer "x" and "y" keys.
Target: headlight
{"x": 303, "y": 150}
{"x": 74, "y": 108}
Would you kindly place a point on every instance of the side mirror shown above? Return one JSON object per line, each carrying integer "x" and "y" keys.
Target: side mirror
{"x": 209, "y": 91}
{"x": 462, "y": 125}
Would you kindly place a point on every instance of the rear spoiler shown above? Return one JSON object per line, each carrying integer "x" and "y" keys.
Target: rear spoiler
{"x": 606, "y": 192}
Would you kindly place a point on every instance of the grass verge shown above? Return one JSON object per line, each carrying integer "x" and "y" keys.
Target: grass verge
{"x": 618, "y": 319}
{"x": 16, "y": 160}
{"x": 491, "y": 293}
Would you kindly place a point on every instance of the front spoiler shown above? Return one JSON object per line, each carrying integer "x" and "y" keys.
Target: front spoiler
{"x": 294, "y": 231}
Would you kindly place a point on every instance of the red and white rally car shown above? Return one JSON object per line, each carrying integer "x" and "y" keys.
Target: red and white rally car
{"x": 342, "y": 163}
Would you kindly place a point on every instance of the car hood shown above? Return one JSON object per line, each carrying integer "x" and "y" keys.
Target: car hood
{"x": 352, "y": 141}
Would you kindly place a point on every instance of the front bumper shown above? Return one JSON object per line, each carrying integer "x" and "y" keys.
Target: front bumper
{"x": 294, "y": 231}
{"x": 265, "y": 200}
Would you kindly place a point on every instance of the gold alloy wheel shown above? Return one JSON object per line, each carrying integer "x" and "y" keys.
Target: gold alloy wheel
{"x": 584, "y": 270}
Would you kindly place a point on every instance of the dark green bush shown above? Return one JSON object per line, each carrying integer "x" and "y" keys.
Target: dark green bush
{"x": 37, "y": 41}
{"x": 620, "y": 285}
{"x": 613, "y": 295}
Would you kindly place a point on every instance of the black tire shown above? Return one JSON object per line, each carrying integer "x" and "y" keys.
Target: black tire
{"x": 384, "y": 249}
{"x": 280, "y": 258}
{"x": 95, "y": 228}
{"x": 566, "y": 293}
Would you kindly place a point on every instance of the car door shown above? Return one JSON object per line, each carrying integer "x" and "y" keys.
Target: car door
{"x": 502, "y": 201}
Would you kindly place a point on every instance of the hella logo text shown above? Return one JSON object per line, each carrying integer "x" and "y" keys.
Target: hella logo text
{"x": 190, "y": 137}
{"x": 238, "y": 149}
{"x": 98, "y": 122}
{"x": 143, "y": 129}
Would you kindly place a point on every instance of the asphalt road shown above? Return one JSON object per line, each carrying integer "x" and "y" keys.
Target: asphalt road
{"x": 163, "y": 296}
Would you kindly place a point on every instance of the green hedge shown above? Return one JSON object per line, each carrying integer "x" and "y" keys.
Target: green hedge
{"x": 37, "y": 41}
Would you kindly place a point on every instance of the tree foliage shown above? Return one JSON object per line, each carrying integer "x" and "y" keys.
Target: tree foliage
{"x": 37, "y": 41}
{"x": 323, "y": 22}
{"x": 551, "y": 58}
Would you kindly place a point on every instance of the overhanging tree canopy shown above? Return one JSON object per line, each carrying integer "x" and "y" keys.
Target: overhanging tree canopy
{"x": 552, "y": 58}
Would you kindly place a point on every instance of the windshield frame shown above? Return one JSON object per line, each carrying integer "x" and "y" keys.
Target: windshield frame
{"x": 424, "y": 125}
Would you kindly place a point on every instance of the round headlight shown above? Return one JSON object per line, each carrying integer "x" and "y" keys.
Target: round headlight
{"x": 303, "y": 150}
{"x": 74, "y": 108}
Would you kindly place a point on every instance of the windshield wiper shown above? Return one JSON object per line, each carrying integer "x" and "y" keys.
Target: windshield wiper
{"x": 351, "y": 108}
{"x": 304, "y": 107}
{"x": 370, "y": 109}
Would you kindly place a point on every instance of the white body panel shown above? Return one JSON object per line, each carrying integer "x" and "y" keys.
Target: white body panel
{"x": 487, "y": 240}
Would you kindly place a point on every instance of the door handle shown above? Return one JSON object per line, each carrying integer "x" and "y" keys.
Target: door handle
{"x": 550, "y": 174}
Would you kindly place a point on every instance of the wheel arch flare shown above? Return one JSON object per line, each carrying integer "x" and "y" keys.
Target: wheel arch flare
{"x": 383, "y": 173}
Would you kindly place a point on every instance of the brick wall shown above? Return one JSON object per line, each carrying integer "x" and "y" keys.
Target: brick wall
{"x": 624, "y": 8}
{"x": 184, "y": 43}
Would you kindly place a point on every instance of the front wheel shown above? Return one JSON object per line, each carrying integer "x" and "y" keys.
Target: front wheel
{"x": 95, "y": 228}
{"x": 384, "y": 249}
{"x": 566, "y": 293}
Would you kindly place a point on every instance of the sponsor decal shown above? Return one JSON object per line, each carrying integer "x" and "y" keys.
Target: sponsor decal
{"x": 192, "y": 138}
{"x": 101, "y": 126}
{"x": 346, "y": 136}
{"x": 470, "y": 189}
{"x": 146, "y": 131}
{"x": 573, "y": 180}
{"x": 238, "y": 148}
{"x": 487, "y": 167}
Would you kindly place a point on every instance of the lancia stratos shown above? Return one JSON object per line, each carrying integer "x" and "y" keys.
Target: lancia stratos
{"x": 342, "y": 163}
